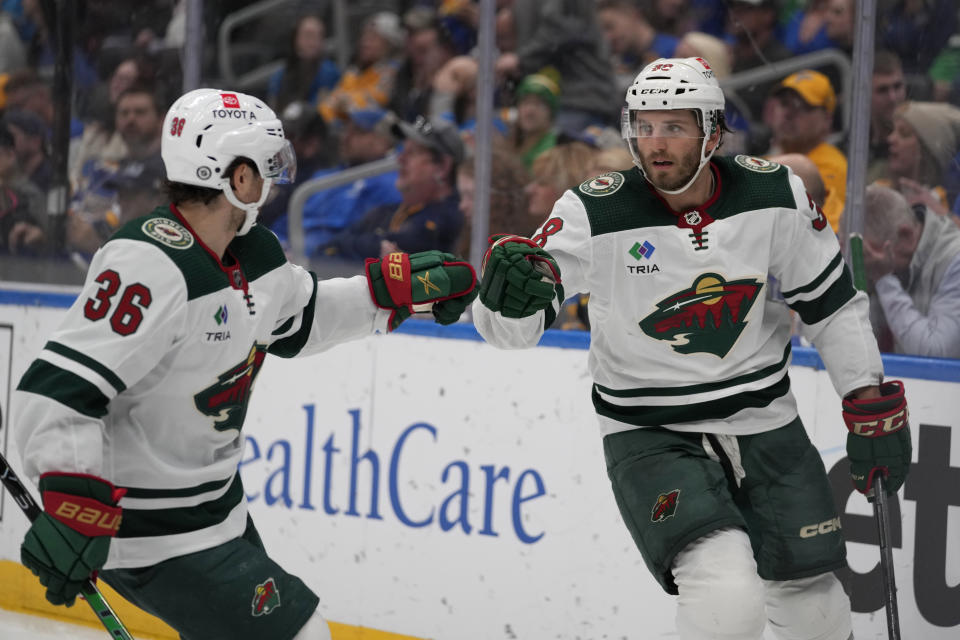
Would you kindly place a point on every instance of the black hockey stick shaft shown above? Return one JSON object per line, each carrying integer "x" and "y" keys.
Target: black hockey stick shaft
{"x": 21, "y": 495}
{"x": 882, "y": 515}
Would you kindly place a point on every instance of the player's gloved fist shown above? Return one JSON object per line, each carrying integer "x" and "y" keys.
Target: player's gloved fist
{"x": 518, "y": 277}
{"x": 879, "y": 438}
{"x": 412, "y": 282}
{"x": 70, "y": 539}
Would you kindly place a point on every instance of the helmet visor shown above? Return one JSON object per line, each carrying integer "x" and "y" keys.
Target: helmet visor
{"x": 637, "y": 123}
{"x": 281, "y": 167}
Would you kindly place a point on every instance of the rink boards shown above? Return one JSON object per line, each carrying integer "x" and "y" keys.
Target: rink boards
{"x": 427, "y": 485}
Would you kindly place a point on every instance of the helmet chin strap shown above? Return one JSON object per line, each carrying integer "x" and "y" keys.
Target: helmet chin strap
{"x": 250, "y": 209}
{"x": 704, "y": 159}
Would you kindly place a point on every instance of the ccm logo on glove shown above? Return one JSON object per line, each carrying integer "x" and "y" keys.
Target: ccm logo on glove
{"x": 881, "y": 427}
{"x": 86, "y": 515}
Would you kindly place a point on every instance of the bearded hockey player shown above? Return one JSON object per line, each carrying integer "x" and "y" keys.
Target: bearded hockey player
{"x": 134, "y": 409}
{"x": 710, "y": 465}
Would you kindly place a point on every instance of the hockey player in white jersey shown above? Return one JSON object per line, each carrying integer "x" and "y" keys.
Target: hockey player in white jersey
{"x": 710, "y": 465}
{"x": 130, "y": 419}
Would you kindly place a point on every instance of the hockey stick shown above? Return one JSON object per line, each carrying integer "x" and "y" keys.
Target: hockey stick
{"x": 882, "y": 516}
{"x": 21, "y": 495}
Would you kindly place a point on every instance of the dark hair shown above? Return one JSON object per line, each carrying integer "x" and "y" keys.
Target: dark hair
{"x": 139, "y": 87}
{"x": 180, "y": 192}
{"x": 886, "y": 62}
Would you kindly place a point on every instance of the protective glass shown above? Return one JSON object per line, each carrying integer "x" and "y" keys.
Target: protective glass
{"x": 633, "y": 124}
{"x": 281, "y": 167}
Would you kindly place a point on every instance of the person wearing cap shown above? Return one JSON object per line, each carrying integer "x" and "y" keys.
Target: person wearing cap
{"x": 751, "y": 26}
{"x": 924, "y": 146}
{"x": 566, "y": 36}
{"x": 911, "y": 258}
{"x": 364, "y": 138}
{"x": 537, "y": 100}
{"x": 30, "y": 135}
{"x": 801, "y": 121}
{"x": 429, "y": 215}
{"x": 369, "y": 81}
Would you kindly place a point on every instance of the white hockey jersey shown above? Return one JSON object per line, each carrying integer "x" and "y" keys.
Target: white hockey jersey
{"x": 685, "y": 332}
{"x": 147, "y": 381}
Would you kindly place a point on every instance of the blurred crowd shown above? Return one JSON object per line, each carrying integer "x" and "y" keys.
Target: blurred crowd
{"x": 408, "y": 93}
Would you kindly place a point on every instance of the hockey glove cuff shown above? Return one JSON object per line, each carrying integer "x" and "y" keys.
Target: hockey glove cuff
{"x": 519, "y": 278}
{"x": 879, "y": 438}
{"x": 411, "y": 283}
{"x": 70, "y": 539}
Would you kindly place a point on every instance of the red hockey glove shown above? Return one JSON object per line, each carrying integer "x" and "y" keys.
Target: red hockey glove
{"x": 70, "y": 539}
{"x": 429, "y": 280}
{"x": 518, "y": 277}
{"x": 879, "y": 438}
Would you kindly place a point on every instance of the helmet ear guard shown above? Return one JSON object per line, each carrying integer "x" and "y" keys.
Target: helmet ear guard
{"x": 675, "y": 83}
{"x": 207, "y": 129}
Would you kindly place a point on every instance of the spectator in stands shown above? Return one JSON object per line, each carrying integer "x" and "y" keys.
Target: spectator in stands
{"x": 565, "y": 36}
{"x": 563, "y": 167}
{"x": 912, "y": 263}
{"x": 923, "y": 146}
{"x": 369, "y": 81}
{"x": 30, "y": 139}
{"x": 537, "y": 102}
{"x": 805, "y": 30}
{"x": 111, "y": 189}
{"x": 840, "y": 23}
{"x": 21, "y": 204}
{"x": 696, "y": 44}
{"x": 632, "y": 40}
{"x": 752, "y": 25}
{"x": 429, "y": 216}
{"x": 307, "y": 74}
{"x": 308, "y": 134}
{"x": 917, "y": 32}
{"x": 808, "y": 172}
{"x": 801, "y": 120}
{"x": 508, "y": 199}
{"x": 100, "y": 139}
{"x": 672, "y": 17}
{"x": 611, "y": 159}
{"x": 428, "y": 49}
{"x": 365, "y": 138}
{"x": 889, "y": 92}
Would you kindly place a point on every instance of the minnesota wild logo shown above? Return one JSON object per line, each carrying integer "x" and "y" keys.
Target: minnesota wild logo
{"x": 706, "y": 318}
{"x": 665, "y": 506}
{"x": 227, "y": 398}
{"x": 266, "y": 598}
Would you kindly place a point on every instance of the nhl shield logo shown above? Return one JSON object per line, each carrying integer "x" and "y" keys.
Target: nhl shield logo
{"x": 707, "y": 317}
{"x": 665, "y": 506}
{"x": 266, "y": 598}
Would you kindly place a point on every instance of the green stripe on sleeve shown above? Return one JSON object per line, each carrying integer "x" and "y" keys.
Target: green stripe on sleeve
{"x": 65, "y": 387}
{"x": 816, "y": 282}
{"x": 839, "y": 293}
{"x": 88, "y": 362}
{"x": 291, "y": 345}
{"x": 186, "y": 492}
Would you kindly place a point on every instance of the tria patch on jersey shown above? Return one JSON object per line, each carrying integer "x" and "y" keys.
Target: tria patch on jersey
{"x": 756, "y": 164}
{"x": 602, "y": 185}
{"x": 168, "y": 232}
{"x": 706, "y": 318}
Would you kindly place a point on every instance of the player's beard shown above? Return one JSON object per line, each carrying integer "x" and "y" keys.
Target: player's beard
{"x": 686, "y": 166}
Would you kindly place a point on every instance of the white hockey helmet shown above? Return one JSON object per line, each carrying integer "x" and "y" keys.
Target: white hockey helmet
{"x": 674, "y": 83}
{"x": 207, "y": 129}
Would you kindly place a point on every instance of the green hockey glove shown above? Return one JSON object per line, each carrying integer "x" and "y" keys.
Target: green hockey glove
{"x": 412, "y": 283}
{"x": 518, "y": 277}
{"x": 879, "y": 438}
{"x": 70, "y": 539}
